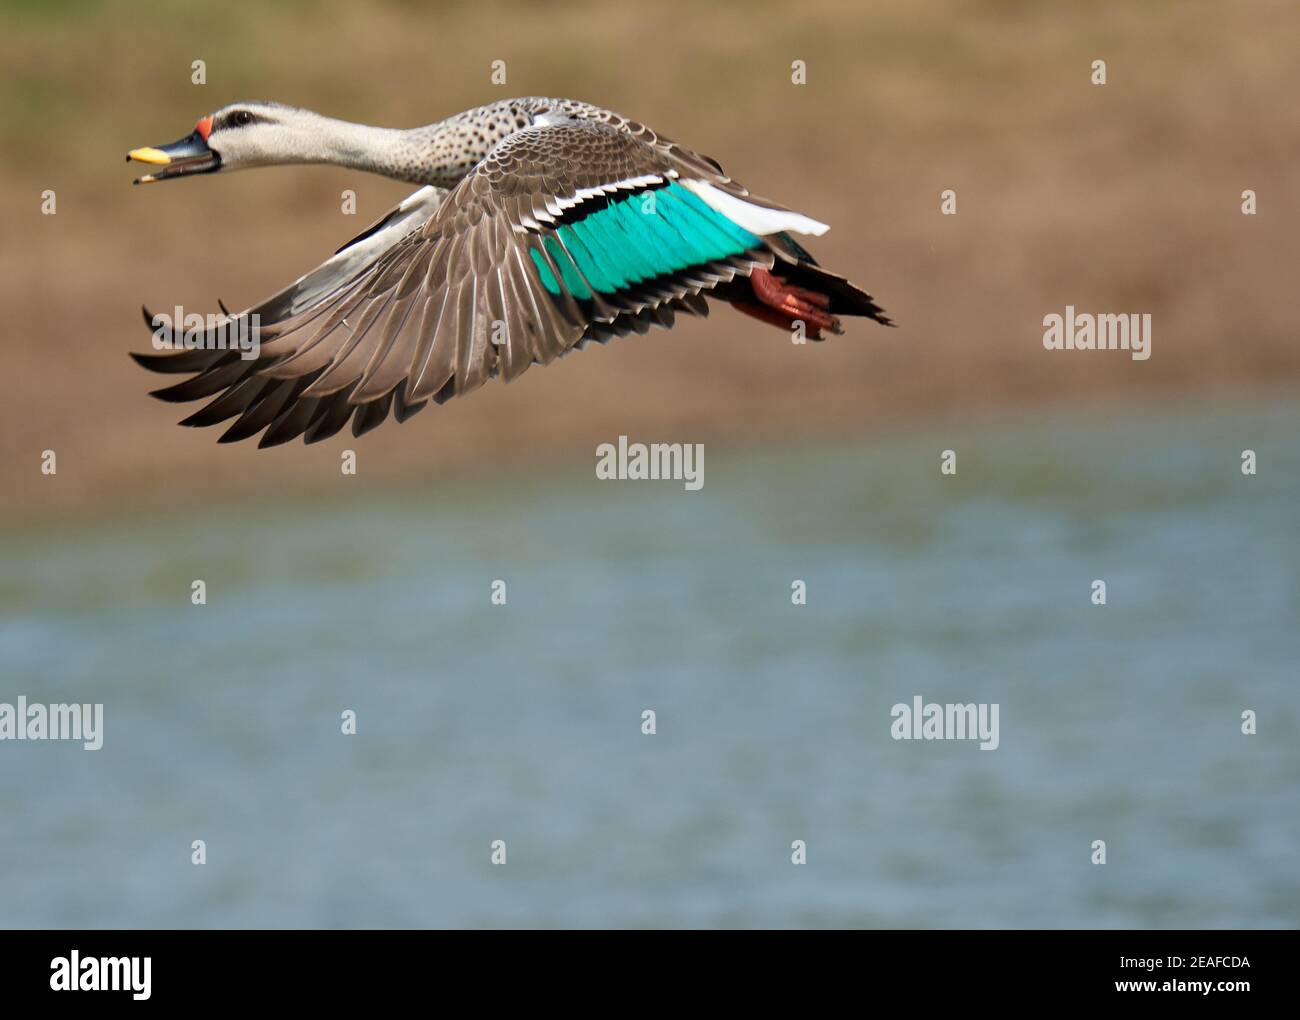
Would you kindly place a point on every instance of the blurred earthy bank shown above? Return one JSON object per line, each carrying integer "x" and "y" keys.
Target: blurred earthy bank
{"x": 1117, "y": 198}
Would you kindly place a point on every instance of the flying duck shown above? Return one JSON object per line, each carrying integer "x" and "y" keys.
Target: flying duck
{"x": 540, "y": 225}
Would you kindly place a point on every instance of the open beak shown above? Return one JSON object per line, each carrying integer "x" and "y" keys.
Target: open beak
{"x": 190, "y": 155}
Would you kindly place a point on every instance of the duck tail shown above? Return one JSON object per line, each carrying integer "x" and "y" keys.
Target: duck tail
{"x": 801, "y": 269}
{"x": 797, "y": 288}
{"x": 845, "y": 298}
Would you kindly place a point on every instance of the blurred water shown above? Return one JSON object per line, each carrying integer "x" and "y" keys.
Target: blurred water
{"x": 522, "y": 722}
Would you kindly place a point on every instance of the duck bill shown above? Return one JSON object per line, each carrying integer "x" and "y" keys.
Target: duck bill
{"x": 190, "y": 155}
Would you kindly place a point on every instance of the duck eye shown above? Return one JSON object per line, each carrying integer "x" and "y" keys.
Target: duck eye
{"x": 241, "y": 117}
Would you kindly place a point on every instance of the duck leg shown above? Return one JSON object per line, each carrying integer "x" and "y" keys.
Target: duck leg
{"x": 781, "y": 303}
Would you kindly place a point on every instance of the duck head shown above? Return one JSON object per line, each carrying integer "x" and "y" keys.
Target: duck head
{"x": 239, "y": 135}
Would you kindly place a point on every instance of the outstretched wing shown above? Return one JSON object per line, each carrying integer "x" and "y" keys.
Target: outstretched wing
{"x": 239, "y": 381}
{"x": 567, "y": 231}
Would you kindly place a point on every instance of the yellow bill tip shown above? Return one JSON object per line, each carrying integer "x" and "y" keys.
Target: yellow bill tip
{"x": 147, "y": 155}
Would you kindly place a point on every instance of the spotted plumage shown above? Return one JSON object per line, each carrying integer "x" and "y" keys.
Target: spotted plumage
{"x": 542, "y": 224}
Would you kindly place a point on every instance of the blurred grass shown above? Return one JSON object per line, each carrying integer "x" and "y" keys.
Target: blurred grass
{"x": 411, "y": 62}
{"x": 1121, "y": 198}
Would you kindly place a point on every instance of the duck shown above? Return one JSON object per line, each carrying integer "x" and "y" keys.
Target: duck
{"x": 540, "y": 226}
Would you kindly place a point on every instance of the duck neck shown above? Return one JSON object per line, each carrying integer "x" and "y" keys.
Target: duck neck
{"x": 390, "y": 152}
{"x": 440, "y": 154}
